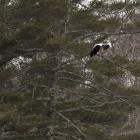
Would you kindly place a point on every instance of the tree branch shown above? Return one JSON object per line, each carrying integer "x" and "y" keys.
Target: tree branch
{"x": 69, "y": 121}
{"x": 106, "y": 34}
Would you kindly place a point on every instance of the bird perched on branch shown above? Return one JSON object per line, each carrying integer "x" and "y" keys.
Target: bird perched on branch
{"x": 97, "y": 47}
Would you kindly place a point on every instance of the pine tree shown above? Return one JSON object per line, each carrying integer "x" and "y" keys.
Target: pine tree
{"x": 63, "y": 95}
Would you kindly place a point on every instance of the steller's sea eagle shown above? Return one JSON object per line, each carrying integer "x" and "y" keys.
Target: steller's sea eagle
{"x": 97, "y": 47}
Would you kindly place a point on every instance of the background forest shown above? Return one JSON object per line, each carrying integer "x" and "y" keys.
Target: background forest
{"x": 50, "y": 88}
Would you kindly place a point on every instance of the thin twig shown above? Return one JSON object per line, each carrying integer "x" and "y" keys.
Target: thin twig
{"x": 106, "y": 34}
{"x": 69, "y": 121}
{"x": 65, "y": 134}
{"x": 108, "y": 60}
{"x": 32, "y": 99}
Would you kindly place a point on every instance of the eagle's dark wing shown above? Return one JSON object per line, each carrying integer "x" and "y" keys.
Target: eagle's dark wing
{"x": 106, "y": 46}
{"x": 94, "y": 50}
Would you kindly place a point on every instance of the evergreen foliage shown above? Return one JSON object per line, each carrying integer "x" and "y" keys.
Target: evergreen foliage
{"x": 64, "y": 94}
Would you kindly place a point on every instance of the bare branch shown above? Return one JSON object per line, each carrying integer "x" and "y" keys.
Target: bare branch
{"x": 108, "y": 60}
{"x": 84, "y": 6}
{"x": 88, "y": 107}
{"x": 65, "y": 134}
{"x": 106, "y": 34}
{"x": 69, "y": 121}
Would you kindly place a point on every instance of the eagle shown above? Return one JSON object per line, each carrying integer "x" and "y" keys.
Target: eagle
{"x": 96, "y": 48}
